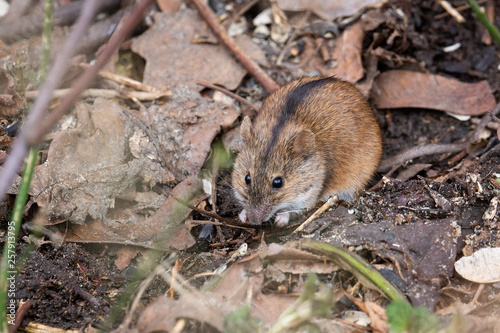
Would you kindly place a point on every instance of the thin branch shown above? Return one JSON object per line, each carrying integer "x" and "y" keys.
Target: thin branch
{"x": 225, "y": 220}
{"x": 105, "y": 93}
{"x": 452, "y": 11}
{"x": 250, "y": 65}
{"x": 332, "y": 201}
{"x": 420, "y": 151}
{"x": 54, "y": 77}
{"x": 86, "y": 78}
{"x": 432, "y": 149}
{"x": 228, "y": 93}
{"x": 130, "y": 82}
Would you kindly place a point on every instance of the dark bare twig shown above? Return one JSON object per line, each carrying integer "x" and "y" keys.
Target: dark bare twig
{"x": 93, "y": 301}
{"x": 228, "y": 93}
{"x": 54, "y": 77}
{"x": 246, "y": 8}
{"x": 432, "y": 149}
{"x": 420, "y": 151}
{"x": 250, "y": 65}
{"x": 484, "y": 122}
{"x": 225, "y": 220}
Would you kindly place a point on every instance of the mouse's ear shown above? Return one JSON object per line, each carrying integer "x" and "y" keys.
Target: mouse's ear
{"x": 304, "y": 143}
{"x": 246, "y": 129}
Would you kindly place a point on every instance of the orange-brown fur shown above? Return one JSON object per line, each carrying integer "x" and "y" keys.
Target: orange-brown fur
{"x": 328, "y": 144}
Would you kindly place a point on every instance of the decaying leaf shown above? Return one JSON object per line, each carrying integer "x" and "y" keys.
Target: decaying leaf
{"x": 347, "y": 53}
{"x": 92, "y": 173}
{"x": 172, "y": 59}
{"x": 407, "y": 89}
{"x": 87, "y": 168}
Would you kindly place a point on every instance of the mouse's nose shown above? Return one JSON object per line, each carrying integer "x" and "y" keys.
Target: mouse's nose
{"x": 256, "y": 214}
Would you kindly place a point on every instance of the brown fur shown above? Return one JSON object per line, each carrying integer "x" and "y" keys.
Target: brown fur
{"x": 319, "y": 135}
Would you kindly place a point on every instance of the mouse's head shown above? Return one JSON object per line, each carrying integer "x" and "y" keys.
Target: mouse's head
{"x": 277, "y": 174}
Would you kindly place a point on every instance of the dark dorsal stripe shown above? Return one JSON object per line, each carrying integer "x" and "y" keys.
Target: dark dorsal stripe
{"x": 294, "y": 99}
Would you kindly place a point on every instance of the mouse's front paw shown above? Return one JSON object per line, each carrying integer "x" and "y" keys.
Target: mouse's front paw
{"x": 282, "y": 219}
{"x": 243, "y": 216}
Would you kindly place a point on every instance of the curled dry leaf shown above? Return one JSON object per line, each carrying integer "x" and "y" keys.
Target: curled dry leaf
{"x": 94, "y": 173}
{"x": 481, "y": 267}
{"x": 347, "y": 53}
{"x": 407, "y": 89}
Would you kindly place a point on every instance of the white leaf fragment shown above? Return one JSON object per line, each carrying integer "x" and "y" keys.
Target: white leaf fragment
{"x": 481, "y": 267}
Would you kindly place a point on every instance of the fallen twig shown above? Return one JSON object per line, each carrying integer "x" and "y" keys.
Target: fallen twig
{"x": 420, "y": 151}
{"x": 228, "y": 93}
{"x": 452, "y": 11}
{"x": 129, "y": 82}
{"x": 227, "y": 222}
{"x": 250, "y": 65}
{"x": 105, "y": 93}
{"x": 458, "y": 9}
{"x": 327, "y": 205}
{"x": 432, "y": 149}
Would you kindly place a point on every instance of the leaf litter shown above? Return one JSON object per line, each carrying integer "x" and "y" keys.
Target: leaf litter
{"x": 113, "y": 172}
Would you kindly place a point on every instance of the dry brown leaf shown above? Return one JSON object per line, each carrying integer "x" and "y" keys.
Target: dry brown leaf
{"x": 407, "y": 89}
{"x": 87, "y": 167}
{"x": 162, "y": 230}
{"x": 327, "y": 10}
{"x": 172, "y": 59}
{"x": 108, "y": 154}
{"x": 377, "y": 316}
{"x": 347, "y": 53}
{"x": 241, "y": 284}
{"x": 162, "y": 314}
{"x": 125, "y": 256}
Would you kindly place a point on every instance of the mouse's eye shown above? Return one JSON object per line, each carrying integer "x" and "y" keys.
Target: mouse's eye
{"x": 248, "y": 180}
{"x": 278, "y": 182}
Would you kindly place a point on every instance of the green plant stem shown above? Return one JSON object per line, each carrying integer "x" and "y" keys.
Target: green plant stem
{"x": 48, "y": 9}
{"x": 10, "y": 245}
{"x": 8, "y": 263}
{"x": 485, "y": 21}
{"x": 355, "y": 264}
